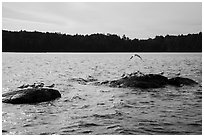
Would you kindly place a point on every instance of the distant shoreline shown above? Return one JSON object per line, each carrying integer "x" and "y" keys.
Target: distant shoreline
{"x": 24, "y": 41}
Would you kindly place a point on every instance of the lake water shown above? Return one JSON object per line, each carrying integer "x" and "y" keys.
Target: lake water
{"x": 88, "y": 109}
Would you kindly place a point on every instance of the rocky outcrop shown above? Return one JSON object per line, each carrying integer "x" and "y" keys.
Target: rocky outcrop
{"x": 179, "y": 81}
{"x": 30, "y": 96}
{"x": 139, "y": 80}
{"x": 84, "y": 81}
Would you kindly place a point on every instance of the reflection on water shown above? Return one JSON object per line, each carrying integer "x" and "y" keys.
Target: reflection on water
{"x": 88, "y": 109}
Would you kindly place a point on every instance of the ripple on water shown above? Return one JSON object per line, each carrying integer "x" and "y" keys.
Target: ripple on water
{"x": 88, "y": 109}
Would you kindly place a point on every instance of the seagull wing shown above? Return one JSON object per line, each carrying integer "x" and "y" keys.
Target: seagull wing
{"x": 138, "y": 56}
{"x": 131, "y": 57}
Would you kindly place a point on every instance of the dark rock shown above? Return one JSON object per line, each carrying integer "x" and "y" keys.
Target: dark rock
{"x": 84, "y": 81}
{"x": 139, "y": 80}
{"x": 179, "y": 81}
{"x": 30, "y": 95}
{"x": 144, "y": 81}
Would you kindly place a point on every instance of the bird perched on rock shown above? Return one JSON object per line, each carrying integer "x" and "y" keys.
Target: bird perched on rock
{"x": 40, "y": 85}
{"x": 161, "y": 73}
{"x": 33, "y": 86}
{"x": 24, "y": 86}
{"x": 51, "y": 86}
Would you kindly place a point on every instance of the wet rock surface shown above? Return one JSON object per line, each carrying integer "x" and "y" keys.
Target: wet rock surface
{"x": 140, "y": 80}
{"x": 30, "y": 96}
{"x": 179, "y": 81}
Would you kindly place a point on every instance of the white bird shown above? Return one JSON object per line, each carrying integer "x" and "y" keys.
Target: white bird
{"x": 24, "y": 86}
{"x": 51, "y": 86}
{"x": 33, "y": 86}
{"x": 136, "y": 56}
{"x": 178, "y": 73}
{"x": 39, "y": 85}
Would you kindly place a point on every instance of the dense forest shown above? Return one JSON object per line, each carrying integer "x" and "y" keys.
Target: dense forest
{"x": 24, "y": 41}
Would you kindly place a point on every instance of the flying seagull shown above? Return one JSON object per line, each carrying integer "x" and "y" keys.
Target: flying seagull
{"x": 136, "y": 56}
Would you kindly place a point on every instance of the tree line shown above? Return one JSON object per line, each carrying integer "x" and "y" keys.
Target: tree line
{"x": 24, "y": 41}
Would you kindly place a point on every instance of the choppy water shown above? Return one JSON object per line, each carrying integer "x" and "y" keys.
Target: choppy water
{"x": 89, "y": 109}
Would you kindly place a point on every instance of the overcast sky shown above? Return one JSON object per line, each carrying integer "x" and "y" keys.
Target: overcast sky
{"x": 135, "y": 20}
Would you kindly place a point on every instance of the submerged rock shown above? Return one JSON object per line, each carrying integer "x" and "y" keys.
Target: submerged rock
{"x": 84, "y": 81}
{"x": 140, "y": 80}
{"x": 30, "y": 95}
